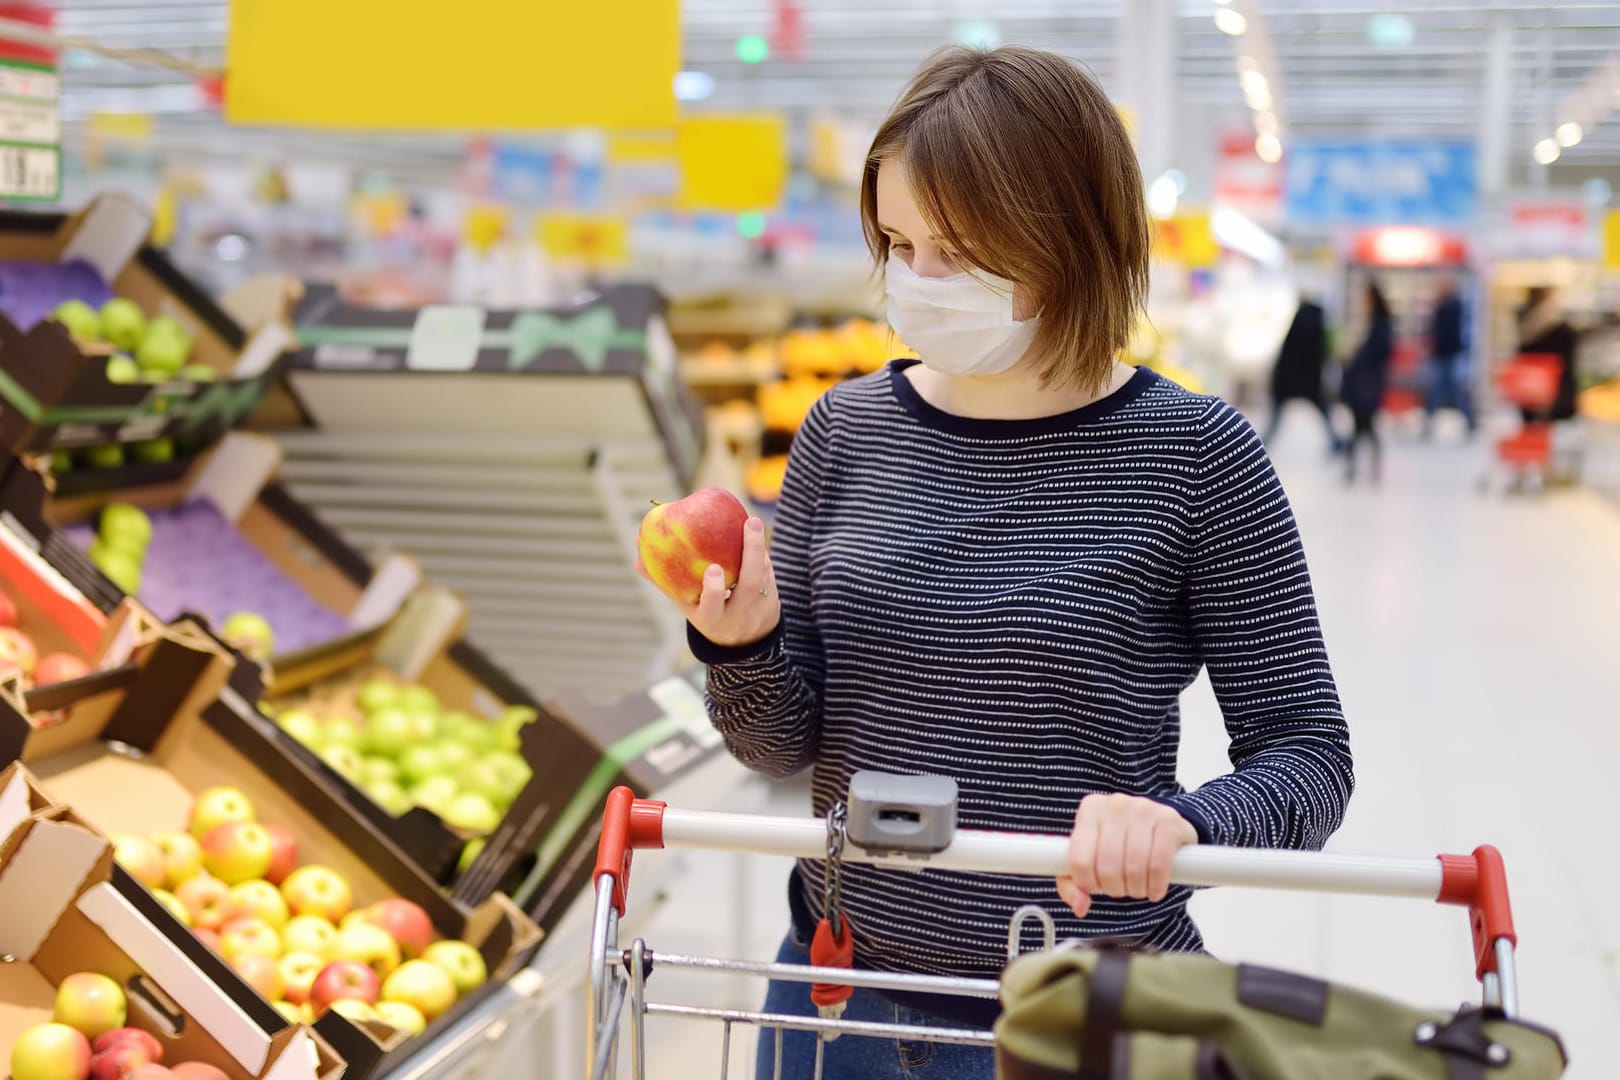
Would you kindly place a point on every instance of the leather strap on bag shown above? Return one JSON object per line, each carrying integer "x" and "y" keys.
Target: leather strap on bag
{"x": 1100, "y": 1049}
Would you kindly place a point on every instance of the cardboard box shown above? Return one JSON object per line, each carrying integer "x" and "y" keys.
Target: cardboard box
{"x": 282, "y": 560}
{"x": 601, "y": 368}
{"x": 70, "y": 909}
{"x": 56, "y": 392}
{"x": 135, "y": 750}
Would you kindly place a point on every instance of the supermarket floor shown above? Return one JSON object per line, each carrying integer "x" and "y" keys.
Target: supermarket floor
{"x": 1475, "y": 640}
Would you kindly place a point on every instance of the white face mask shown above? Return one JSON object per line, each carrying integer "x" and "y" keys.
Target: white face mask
{"x": 959, "y": 325}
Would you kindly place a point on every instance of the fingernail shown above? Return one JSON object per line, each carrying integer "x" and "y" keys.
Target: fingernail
{"x": 756, "y": 525}
{"x": 713, "y": 571}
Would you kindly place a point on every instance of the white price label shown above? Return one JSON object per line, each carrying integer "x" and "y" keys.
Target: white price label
{"x": 445, "y": 338}
{"x": 29, "y": 82}
{"x": 30, "y": 172}
{"x": 29, "y": 122}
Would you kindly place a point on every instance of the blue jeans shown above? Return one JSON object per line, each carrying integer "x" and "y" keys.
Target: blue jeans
{"x": 862, "y": 1056}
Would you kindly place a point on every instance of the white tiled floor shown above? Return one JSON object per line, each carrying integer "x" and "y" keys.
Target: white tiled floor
{"x": 1476, "y": 641}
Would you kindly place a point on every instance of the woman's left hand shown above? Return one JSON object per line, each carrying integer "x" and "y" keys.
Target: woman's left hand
{"x": 1122, "y": 846}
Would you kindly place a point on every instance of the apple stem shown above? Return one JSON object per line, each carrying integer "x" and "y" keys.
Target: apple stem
{"x": 655, "y": 502}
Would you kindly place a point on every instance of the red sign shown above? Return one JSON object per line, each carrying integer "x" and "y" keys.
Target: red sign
{"x": 1245, "y": 183}
{"x": 39, "y": 15}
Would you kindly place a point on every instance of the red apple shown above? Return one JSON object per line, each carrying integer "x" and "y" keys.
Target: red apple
{"x": 92, "y": 1003}
{"x": 141, "y": 858}
{"x": 197, "y": 1070}
{"x": 425, "y": 987}
{"x": 283, "y": 853}
{"x": 240, "y": 936}
{"x": 678, "y": 541}
{"x": 59, "y": 667}
{"x": 260, "y": 972}
{"x": 298, "y": 972}
{"x": 50, "y": 1052}
{"x": 150, "y": 1072}
{"x": 237, "y": 851}
{"x": 316, "y": 890}
{"x": 405, "y": 922}
{"x": 121, "y": 1059}
{"x": 17, "y": 650}
{"x": 209, "y": 938}
{"x": 107, "y": 1040}
{"x": 344, "y": 979}
{"x": 208, "y": 900}
{"x": 8, "y": 609}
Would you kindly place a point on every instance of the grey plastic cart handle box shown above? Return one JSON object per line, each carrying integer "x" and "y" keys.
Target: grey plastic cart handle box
{"x": 901, "y": 815}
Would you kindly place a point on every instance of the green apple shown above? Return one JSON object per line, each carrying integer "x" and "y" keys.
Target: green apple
{"x": 124, "y": 521}
{"x": 479, "y": 777}
{"x": 390, "y": 732}
{"x": 345, "y": 760}
{"x": 420, "y": 763}
{"x": 377, "y": 769}
{"x": 153, "y": 451}
{"x": 434, "y": 793}
{"x": 61, "y": 462}
{"x": 250, "y": 634}
{"x": 427, "y": 724}
{"x": 463, "y": 963}
{"x": 388, "y": 795}
{"x": 471, "y": 813}
{"x": 452, "y": 756}
{"x": 161, "y": 354}
{"x": 419, "y": 697}
{"x": 378, "y": 693}
{"x": 199, "y": 373}
{"x": 301, "y": 725}
{"x": 509, "y": 727}
{"x": 110, "y": 456}
{"x": 120, "y": 567}
{"x": 123, "y": 370}
{"x": 80, "y": 319}
{"x": 123, "y": 322}
{"x": 470, "y": 853}
{"x": 341, "y": 731}
{"x": 468, "y": 730}
{"x": 513, "y": 771}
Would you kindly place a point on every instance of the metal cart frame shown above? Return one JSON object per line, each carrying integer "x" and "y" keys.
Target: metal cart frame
{"x": 618, "y": 975}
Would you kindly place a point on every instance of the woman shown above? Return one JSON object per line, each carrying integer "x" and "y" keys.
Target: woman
{"x": 1297, "y": 375}
{"x": 1005, "y": 563}
{"x": 1366, "y": 380}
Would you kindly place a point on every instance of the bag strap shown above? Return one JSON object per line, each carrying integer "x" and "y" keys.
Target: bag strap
{"x": 1102, "y": 1055}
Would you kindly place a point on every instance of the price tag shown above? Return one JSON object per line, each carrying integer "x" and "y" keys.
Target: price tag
{"x": 446, "y": 338}
{"x": 30, "y": 132}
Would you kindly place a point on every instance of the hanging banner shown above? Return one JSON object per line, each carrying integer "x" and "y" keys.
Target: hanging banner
{"x": 483, "y": 65}
{"x": 1383, "y": 183}
{"x": 733, "y": 163}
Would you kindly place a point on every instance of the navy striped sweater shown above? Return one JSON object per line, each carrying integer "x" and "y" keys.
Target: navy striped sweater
{"x": 1019, "y": 605}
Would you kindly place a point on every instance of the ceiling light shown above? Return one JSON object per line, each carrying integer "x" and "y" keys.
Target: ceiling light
{"x": 1547, "y": 151}
{"x": 1231, "y": 22}
{"x": 1269, "y": 149}
{"x": 1569, "y": 133}
{"x": 1265, "y": 123}
{"x": 1162, "y": 196}
{"x": 1253, "y": 82}
{"x": 1389, "y": 31}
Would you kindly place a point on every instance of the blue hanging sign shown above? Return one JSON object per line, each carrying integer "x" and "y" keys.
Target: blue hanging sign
{"x": 1382, "y": 183}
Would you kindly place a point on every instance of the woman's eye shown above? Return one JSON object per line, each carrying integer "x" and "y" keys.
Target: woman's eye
{"x": 899, "y": 245}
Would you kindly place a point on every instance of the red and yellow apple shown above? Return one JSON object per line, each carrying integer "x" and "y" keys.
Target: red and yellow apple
{"x": 678, "y": 541}
{"x": 424, "y": 986}
{"x": 109, "y": 1039}
{"x": 241, "y": 936}
{"x": 198, "y": 1070}
{"x": 405, "y": 922}
{"x": 182, "y": 856}
{"x": 283, "y": 853}
{"x": 17, "y": 651}
{"x": 263, "y": 973}
{"x": 172, "y": 902}
{"x": 310, "y": 934}
{"x": 141, "y": 858}
{"x": 463, "y": 963}
{"x": 358, "y": 1011}
{"x": 293, "y": 1014}
{"x": 397, "y": 1014}
{"x": 59, "y": 667}
{"x": 317, "y": 890}
{"x": 298, "y": 972}
{"x": 237, "y": 851}
{"x": 90, "y": 1003}
{"x": 343, "y": 979}
{"x": 257, "y": 899}
{"x": 217, "y": 806}
{"x": 369, "y": 945}
{"x": 207, "y": 899}
{"x": 50, "y": 1052}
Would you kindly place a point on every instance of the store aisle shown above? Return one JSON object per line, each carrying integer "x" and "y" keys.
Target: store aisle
{"x": 1474, "y": 642}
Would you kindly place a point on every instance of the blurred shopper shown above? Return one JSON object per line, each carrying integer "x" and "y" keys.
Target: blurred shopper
{"x": 1300, "y": 364}
{"x": 1005, "y": 562}
{"x": 1544, "y": 329}
{"x": 1448, "y": 359}
{"x": 1365, "y": 381}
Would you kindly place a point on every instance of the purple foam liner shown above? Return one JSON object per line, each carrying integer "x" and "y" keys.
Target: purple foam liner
{"x": 30, "y": 291}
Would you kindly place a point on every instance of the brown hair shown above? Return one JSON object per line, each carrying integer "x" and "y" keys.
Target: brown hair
{"x": 1021, "y": 165}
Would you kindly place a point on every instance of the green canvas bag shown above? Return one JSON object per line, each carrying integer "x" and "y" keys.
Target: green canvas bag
{"x": 1107, "y": 1013}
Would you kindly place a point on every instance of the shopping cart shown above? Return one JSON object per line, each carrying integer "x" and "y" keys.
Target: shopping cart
{"x": 1528, "y": 382}
{"x": 618, "y": 977}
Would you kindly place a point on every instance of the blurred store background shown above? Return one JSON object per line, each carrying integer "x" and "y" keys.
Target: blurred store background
{"x": 538, "y": 262}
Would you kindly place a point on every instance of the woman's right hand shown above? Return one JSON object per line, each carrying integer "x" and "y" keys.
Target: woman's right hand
{"x": 743, "y": 614}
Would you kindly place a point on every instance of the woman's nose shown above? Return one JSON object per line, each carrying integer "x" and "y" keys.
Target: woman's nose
{"x": 932, "y": 264}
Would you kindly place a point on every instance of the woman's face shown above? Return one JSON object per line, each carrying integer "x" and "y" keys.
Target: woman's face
{"x": 911, "y": 240}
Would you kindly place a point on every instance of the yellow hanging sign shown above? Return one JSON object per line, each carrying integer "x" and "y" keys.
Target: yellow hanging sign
{"x": 1611, "y": 240}
{"x": 598, "y": 239}
{"x": 733, "y": 163}
{"x": 1187, "y": 239}
{"x": 482, "y": 65}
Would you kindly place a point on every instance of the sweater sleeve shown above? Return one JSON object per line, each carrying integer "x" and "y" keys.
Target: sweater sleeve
{"x": 1254, "y": 620}
{"x": 765, "y": 698}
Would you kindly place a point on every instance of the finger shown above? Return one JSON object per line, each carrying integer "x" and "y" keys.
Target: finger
{"x": 711, "y": 606}
{"x": 1078, "y": 899}
{"x": 1083, "y": 853}
{"x": 1111, "y": 858}
{"x": 755, "y": 569}
{"x": 1138, "y": 856}
{"x": 1167, "y": 840}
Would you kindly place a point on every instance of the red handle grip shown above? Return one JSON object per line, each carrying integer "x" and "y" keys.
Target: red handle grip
{"x": 1479, "y": 883}
{"x": 628, "y": 823}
